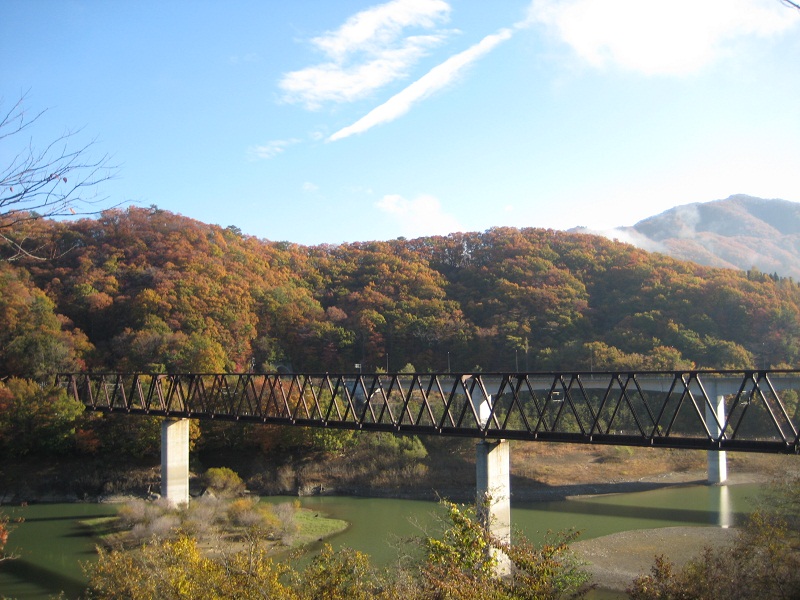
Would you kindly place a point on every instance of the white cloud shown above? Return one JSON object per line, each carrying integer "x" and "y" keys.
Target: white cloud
{"x": 657, "y": 37}
{"x": 419, "y": 217}
{"x": 310, "y": 187}
{"x": 271, "y": 149}
{"x": 626, "y": 236}
{"x": 434, "y": 80}
{"x": 367, "y": 52}
{"x": 380, "y": 26}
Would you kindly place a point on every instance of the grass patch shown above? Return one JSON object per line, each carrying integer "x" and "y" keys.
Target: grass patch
{"x": 302, "y": 526}
{"x": 101, "y": 527}
{"x": 312, "y": 526}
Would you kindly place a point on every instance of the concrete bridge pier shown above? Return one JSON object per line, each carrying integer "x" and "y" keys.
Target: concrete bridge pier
{"x": 175, "y": 461}
{"x": 493, "y": 486}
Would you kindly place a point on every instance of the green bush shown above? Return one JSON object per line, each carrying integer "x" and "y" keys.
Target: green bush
{"x": 36, "y": 419}
{"x": 406, "y": 447}
{"x": 223, "y": 481}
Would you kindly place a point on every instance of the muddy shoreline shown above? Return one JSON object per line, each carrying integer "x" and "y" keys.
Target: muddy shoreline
{"x": 615, "y": 560}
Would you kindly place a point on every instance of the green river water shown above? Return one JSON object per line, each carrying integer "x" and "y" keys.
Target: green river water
{"x": 51, "y": 543}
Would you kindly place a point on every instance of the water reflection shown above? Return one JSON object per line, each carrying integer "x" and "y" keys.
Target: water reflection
{"x": 720, "y": 500}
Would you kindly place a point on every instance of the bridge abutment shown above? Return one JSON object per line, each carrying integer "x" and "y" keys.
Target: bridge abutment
{"x": 175, "y": 461}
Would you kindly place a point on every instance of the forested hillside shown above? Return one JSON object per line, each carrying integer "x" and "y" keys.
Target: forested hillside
{"x": 147, "y": 290}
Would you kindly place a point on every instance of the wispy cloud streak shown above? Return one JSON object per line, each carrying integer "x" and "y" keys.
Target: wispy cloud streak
{"x": 434, "y": 80}
{"x": 367, "y": 52}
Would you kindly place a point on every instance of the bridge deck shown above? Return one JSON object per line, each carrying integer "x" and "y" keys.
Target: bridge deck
{"x": 755, "y": 411}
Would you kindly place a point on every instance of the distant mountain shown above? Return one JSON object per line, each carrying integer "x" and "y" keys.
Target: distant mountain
{"x": 740, "y": 232}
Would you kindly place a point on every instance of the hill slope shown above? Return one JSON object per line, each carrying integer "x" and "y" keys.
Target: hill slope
{"x": 740, "y": 232}
{"x": 147, "y": 290}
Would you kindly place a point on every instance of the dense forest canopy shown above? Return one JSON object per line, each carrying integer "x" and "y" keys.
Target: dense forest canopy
{"x": 145, "y": 289}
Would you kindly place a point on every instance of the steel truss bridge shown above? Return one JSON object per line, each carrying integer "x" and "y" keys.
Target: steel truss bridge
{"x": 749, "y": 410}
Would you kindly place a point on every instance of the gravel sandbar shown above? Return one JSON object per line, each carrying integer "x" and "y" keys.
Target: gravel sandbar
{"x": 616, "y": 560}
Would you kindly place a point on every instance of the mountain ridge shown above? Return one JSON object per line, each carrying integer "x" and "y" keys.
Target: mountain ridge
{"x": 740, "y": 232}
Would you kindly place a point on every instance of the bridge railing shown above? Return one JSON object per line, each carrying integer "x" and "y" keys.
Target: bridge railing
{"x": 750, "y": 410}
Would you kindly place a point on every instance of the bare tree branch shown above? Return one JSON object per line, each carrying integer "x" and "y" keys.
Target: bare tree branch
{"x": 52, "y": 181}
{"x": 791, "y": 4}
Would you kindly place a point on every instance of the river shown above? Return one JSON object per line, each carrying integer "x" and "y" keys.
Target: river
{"x": 51, "y": 543}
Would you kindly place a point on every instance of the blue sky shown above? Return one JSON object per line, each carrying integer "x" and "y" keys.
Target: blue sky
{"x": 316, "y": 121}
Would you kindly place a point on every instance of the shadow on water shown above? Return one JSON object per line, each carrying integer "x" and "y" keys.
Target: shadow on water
{"x": 533, "y": 491}
{"x": 51, "y": 541}
{"x": 47, "y": 580}
{"x": 64, "y": 518}
{"x": 720, "y": 506}
{"x": 606, "y": 509}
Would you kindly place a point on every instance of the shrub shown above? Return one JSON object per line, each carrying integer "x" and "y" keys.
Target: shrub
{"x": 339, "y": 575}
{"x": 463, "y": 561}
{"x": 202, "y": 514}
{"x": 177, "y": 570}
{"x": 403, "y": 447}
{"x": 146, "y": 520}
{"x": 258, "y": 518}
{"x": 459, "y": 566}
{"x": 223, "y": 481}
{"x": 285, "y": 513}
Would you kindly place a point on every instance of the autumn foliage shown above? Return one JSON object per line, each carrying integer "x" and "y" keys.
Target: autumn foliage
{"x": 455, "y": 565}
{"x": 147, "y": 290}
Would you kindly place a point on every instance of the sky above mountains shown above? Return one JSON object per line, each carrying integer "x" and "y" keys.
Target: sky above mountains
{"x": 324, "y": 122}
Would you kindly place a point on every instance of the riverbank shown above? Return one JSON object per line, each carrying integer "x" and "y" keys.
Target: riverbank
{"x": 539, "y": 472}
{"x": 615, "y": 560}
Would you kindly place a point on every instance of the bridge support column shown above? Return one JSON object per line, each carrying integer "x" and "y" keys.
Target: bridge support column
{"x": 717, "y": 460}
{"x": 493, "y": 478}
{"x": 175, "y": 461}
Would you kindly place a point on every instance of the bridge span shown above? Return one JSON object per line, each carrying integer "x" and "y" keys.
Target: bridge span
{"x": 716, "y": 411}
{"x": 751, "y": 411}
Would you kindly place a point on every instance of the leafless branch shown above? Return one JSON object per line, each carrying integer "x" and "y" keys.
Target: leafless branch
{"x": 51, "y": 181}
{"x": 16, "y": 248}
{"x": 791, "y": 4}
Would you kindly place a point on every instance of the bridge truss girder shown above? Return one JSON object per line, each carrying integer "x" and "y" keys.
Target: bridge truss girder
{"x": 751, "y": 411}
